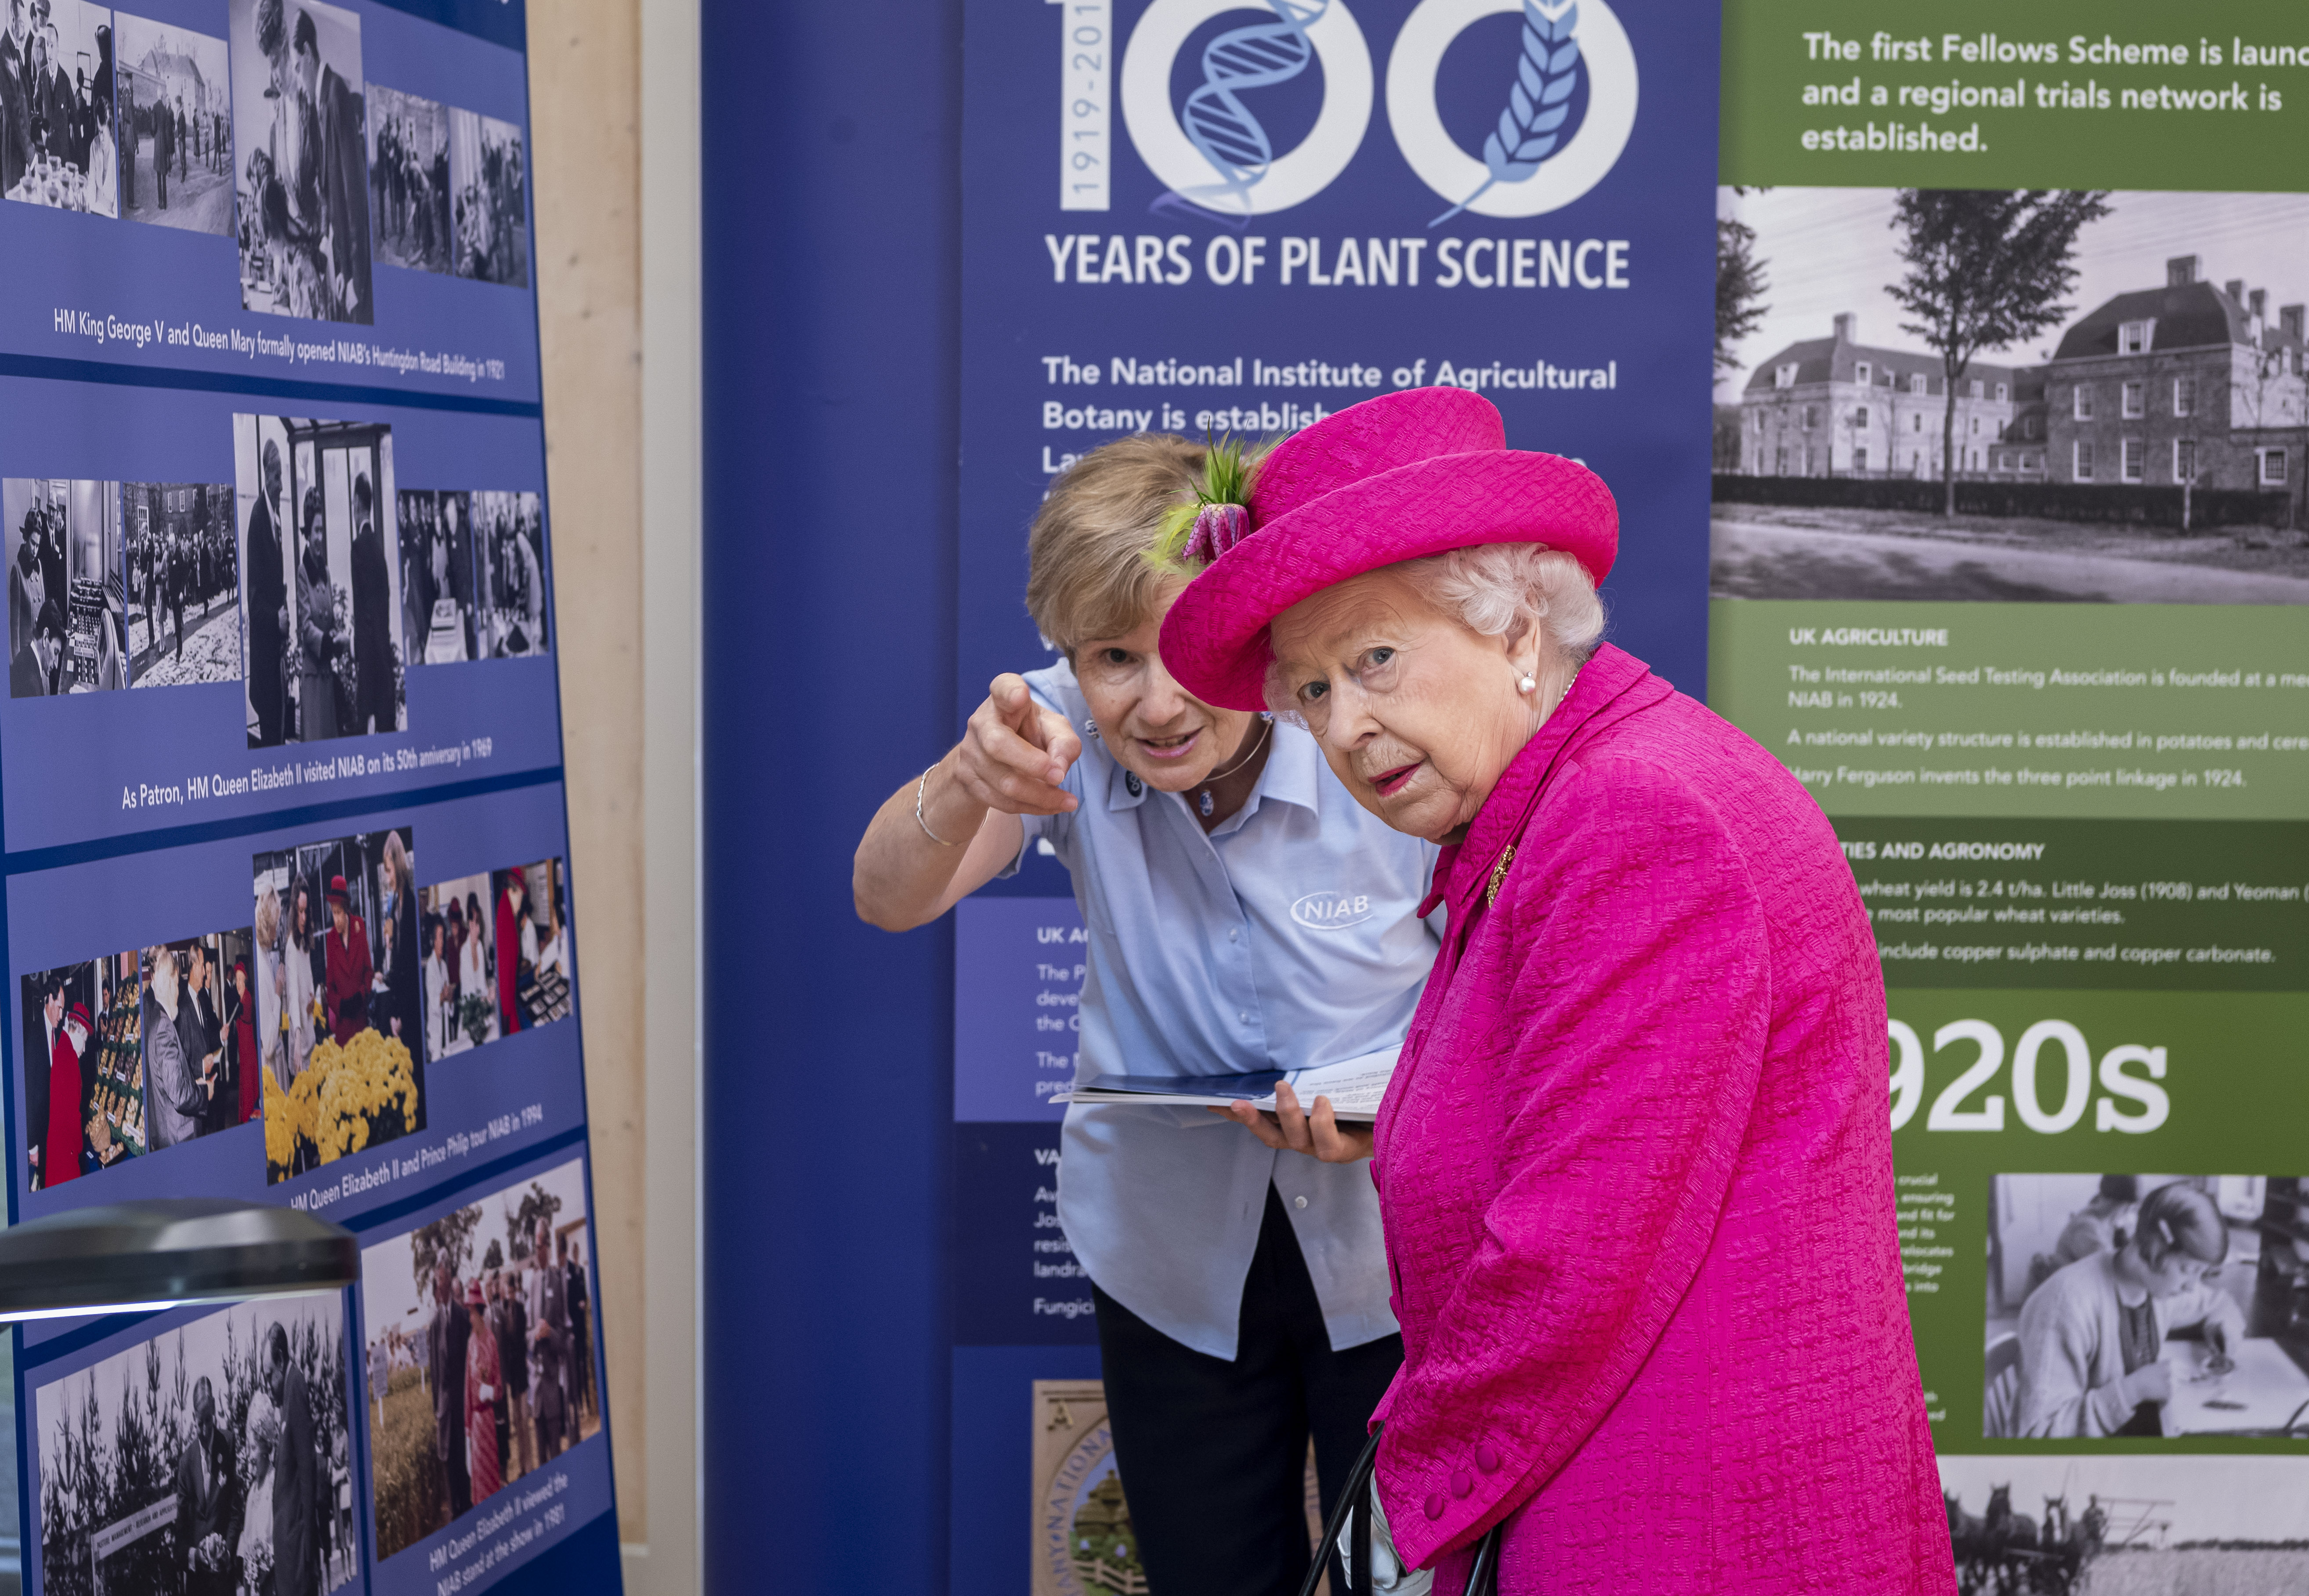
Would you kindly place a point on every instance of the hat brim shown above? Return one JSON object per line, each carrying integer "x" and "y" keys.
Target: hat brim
{"x": 1215, "y": 638}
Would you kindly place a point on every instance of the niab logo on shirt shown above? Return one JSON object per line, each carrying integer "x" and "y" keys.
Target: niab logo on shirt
{"x": 1212, "y": 151}
{"x": 1332, "y": 911}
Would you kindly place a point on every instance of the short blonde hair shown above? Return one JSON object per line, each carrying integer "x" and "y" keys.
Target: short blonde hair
{"x": 1088, "y": 570}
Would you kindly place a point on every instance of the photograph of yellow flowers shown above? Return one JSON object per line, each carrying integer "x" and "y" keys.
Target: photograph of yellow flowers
{"x": 335, "y": 970}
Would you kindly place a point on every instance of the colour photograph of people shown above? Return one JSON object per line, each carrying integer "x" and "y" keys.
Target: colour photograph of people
{"x": 478, "y": 1343}
{"x": 175, "y": 123}
{"x": 488, "y": 171}
{"x": 66, "y": 628}
{"x": 436, "y": 577}
{"x": 212, "y": 1460}
{"x": 2140, "y": 1305}
{"x": 57, "y": 139}
{"x": 184, "y": 610}
{"x": 303, "y": 220}
{"x": 83, "y": 1062}
{"x": 320, "y": 573}
{"x": 533, "y": 943}
{"x": 461, "y": 997}
{"x": 334, "y": 971}
{"x": 409, "y": 179}
{"x": 509, "y": 540}
{"x": 197, "y": 1036}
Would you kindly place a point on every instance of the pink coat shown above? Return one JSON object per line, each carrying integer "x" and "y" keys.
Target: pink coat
{"x": 1636, "y": 1170}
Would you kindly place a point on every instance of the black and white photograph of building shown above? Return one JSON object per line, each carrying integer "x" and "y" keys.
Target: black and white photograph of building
{"x": 176, "y": 127}
{"x": 320, "y": 578}
{"x": 509, "y": 543}
{"x": 66, "y": 626}
{"x": 302, "y": 216}
{"x": 184, "y": 611}
{"x": 2114, "y": 421}
{"x": 68, "y": 160}
{"x": 489, "y": 172}
{"x": 211, "y": 1458}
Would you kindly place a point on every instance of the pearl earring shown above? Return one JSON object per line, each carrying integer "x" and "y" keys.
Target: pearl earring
{"x": 1525, "y": 686}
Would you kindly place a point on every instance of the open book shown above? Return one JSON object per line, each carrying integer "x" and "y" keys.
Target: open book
{"x": 1354, "y": 1085}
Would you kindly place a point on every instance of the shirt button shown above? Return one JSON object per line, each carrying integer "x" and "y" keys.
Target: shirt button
{"x": 1462, "y": 1482}
{"x": 1487, "y": 1458}
{"x": 1434, "y": 1505}
{"x": 1233, "y": 936}
{"x": 1244, "y": 1016}
{"x": 1300, "y": 1201}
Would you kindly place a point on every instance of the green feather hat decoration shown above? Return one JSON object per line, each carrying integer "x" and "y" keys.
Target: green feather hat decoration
{"x": 1196, "y": 534}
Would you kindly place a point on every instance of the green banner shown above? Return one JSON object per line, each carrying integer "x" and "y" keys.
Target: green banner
{"x": 1978, "y": 93}
{"x": 2008, "y": 560}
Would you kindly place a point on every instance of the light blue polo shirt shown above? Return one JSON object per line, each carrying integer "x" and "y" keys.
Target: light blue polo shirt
{"x": 1284, "y": 938}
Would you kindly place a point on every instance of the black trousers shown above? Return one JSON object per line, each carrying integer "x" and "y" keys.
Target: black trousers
{"x": 1213, "y": 1454}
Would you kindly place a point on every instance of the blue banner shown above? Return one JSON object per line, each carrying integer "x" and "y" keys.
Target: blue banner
{"x": 1212, "y": 218}
{"x": 286, "y": 903}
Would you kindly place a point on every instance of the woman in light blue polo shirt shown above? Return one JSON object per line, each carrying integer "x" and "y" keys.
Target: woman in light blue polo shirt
{"x": 1245, "y": 913}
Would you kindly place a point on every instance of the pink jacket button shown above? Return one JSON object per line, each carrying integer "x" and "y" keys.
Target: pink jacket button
{"x": 1462, "y": 1482}
{"x": 1487, "y": 1459}
{"x": 1434, "y": 1505}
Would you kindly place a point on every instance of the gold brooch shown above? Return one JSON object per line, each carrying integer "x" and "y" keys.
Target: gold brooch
{"x": 1498, "y": 874}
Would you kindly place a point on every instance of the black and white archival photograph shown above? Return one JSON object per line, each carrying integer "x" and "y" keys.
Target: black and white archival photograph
{"x": 436, "y": 577}
{"x": 509, "y": 543}
{"x": 302, "y": 178}
{"x": 184, "y": 583}
{"x": 320, "y": 569}
{"x": 1981, "y": 395}
{"x": 409, "y": 180}
{"x": 489, "y": 171}
{"x": 176, "y": 127}
{"x": 212, "y": 1459}
{"x": 2124, "y": 1305}
{"x": 66, "y": 626}
{"x": 66, "y": 159}
{"x": 2120, "y": 1524}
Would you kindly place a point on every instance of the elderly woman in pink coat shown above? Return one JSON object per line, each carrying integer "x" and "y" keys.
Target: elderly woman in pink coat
{"x": 1635, "y": 1164}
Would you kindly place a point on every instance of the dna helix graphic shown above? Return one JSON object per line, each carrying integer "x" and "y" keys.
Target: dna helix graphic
{"x": 1217, "y": 122}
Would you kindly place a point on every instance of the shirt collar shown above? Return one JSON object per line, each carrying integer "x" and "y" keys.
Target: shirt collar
{"x": 1610, "y": 685}
{"x": 1292, "y": 775}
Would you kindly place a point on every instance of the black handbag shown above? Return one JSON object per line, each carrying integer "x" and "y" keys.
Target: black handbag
{"x": 1351, "y": 1510}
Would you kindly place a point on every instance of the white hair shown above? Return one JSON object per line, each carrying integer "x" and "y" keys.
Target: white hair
{"x": 1495, "y": 590}
{"x": 1498, "y": 589}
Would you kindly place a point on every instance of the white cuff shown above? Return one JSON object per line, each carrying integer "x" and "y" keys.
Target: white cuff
{"x": 1388, "y": 1572}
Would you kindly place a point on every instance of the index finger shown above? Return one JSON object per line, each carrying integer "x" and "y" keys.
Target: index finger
{"x": 1060, "y": 743}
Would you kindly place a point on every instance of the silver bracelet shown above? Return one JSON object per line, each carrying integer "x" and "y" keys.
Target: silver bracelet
{"x": 920, "y": 788}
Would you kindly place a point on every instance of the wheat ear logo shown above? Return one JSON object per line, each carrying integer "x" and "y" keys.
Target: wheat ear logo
{"x": 1535, "y": 159}
{"x": 1538, "y": 101}
{"x": 1212, "y": 152}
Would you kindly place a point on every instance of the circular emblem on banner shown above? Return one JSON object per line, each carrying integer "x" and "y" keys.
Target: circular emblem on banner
{"x": 1532, "y": 176}
{"x": 1218, "y": 154}
{"x": 1084, "y": 1542}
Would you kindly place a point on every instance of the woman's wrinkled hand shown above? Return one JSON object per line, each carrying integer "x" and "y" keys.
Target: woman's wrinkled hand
{"x": 1318, "y": 1135}
{"x": 1016, "y": 754}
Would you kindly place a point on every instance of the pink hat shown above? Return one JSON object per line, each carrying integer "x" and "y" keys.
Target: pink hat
{"x": 1419, "y": 472}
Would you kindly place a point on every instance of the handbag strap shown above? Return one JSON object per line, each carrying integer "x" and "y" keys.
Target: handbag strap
{"x": 1351, "y": 1510}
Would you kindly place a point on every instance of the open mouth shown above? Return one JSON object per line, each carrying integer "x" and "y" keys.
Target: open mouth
{"x": 1171, "y": 748}
{"x": 1387, "y": 783}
